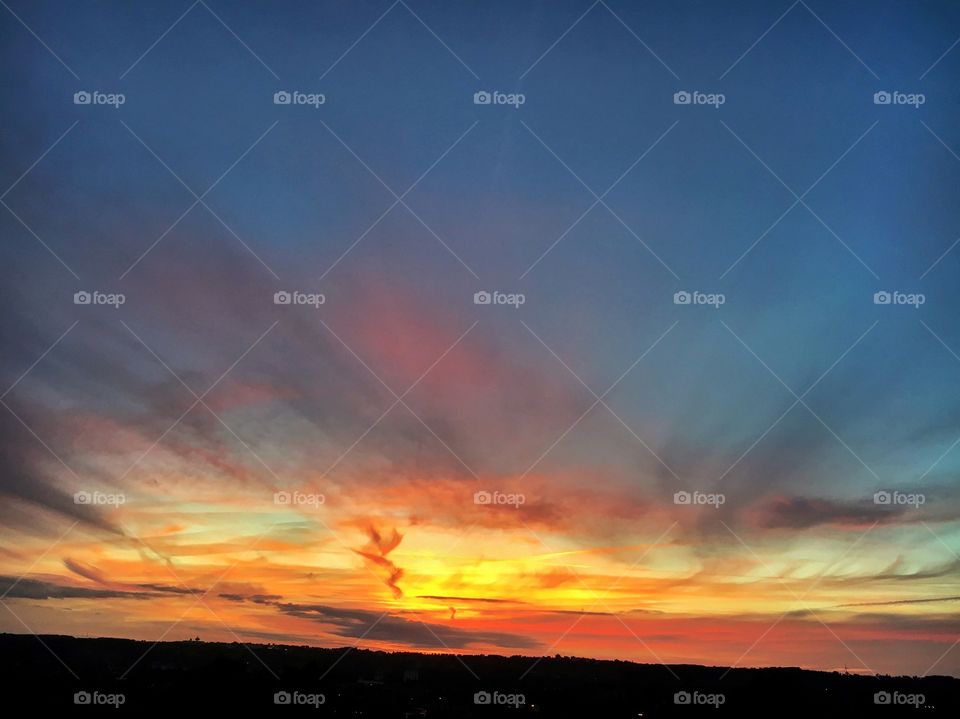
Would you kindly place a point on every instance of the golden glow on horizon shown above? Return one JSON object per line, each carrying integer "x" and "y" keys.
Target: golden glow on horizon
{"x": 513, "y": 580}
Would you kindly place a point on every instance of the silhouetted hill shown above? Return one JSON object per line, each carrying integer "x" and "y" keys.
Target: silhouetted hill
{"x": 187, "y": 676}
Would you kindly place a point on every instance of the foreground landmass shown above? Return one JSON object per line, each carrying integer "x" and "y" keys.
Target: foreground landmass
{"x": 126, "y": 676}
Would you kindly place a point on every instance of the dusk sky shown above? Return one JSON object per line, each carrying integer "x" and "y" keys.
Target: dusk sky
{"x": 749, "y": 299}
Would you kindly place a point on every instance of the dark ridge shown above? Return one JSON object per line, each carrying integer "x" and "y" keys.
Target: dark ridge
{"x": 194, "y": 675}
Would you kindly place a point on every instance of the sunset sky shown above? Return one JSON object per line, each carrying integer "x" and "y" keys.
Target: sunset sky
{"x": 265, "y": 472}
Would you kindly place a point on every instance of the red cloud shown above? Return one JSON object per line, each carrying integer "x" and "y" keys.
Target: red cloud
{"x": 375, "y": 555}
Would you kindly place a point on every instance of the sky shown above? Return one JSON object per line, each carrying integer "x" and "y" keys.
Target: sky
{"x": 710, "y": 414}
